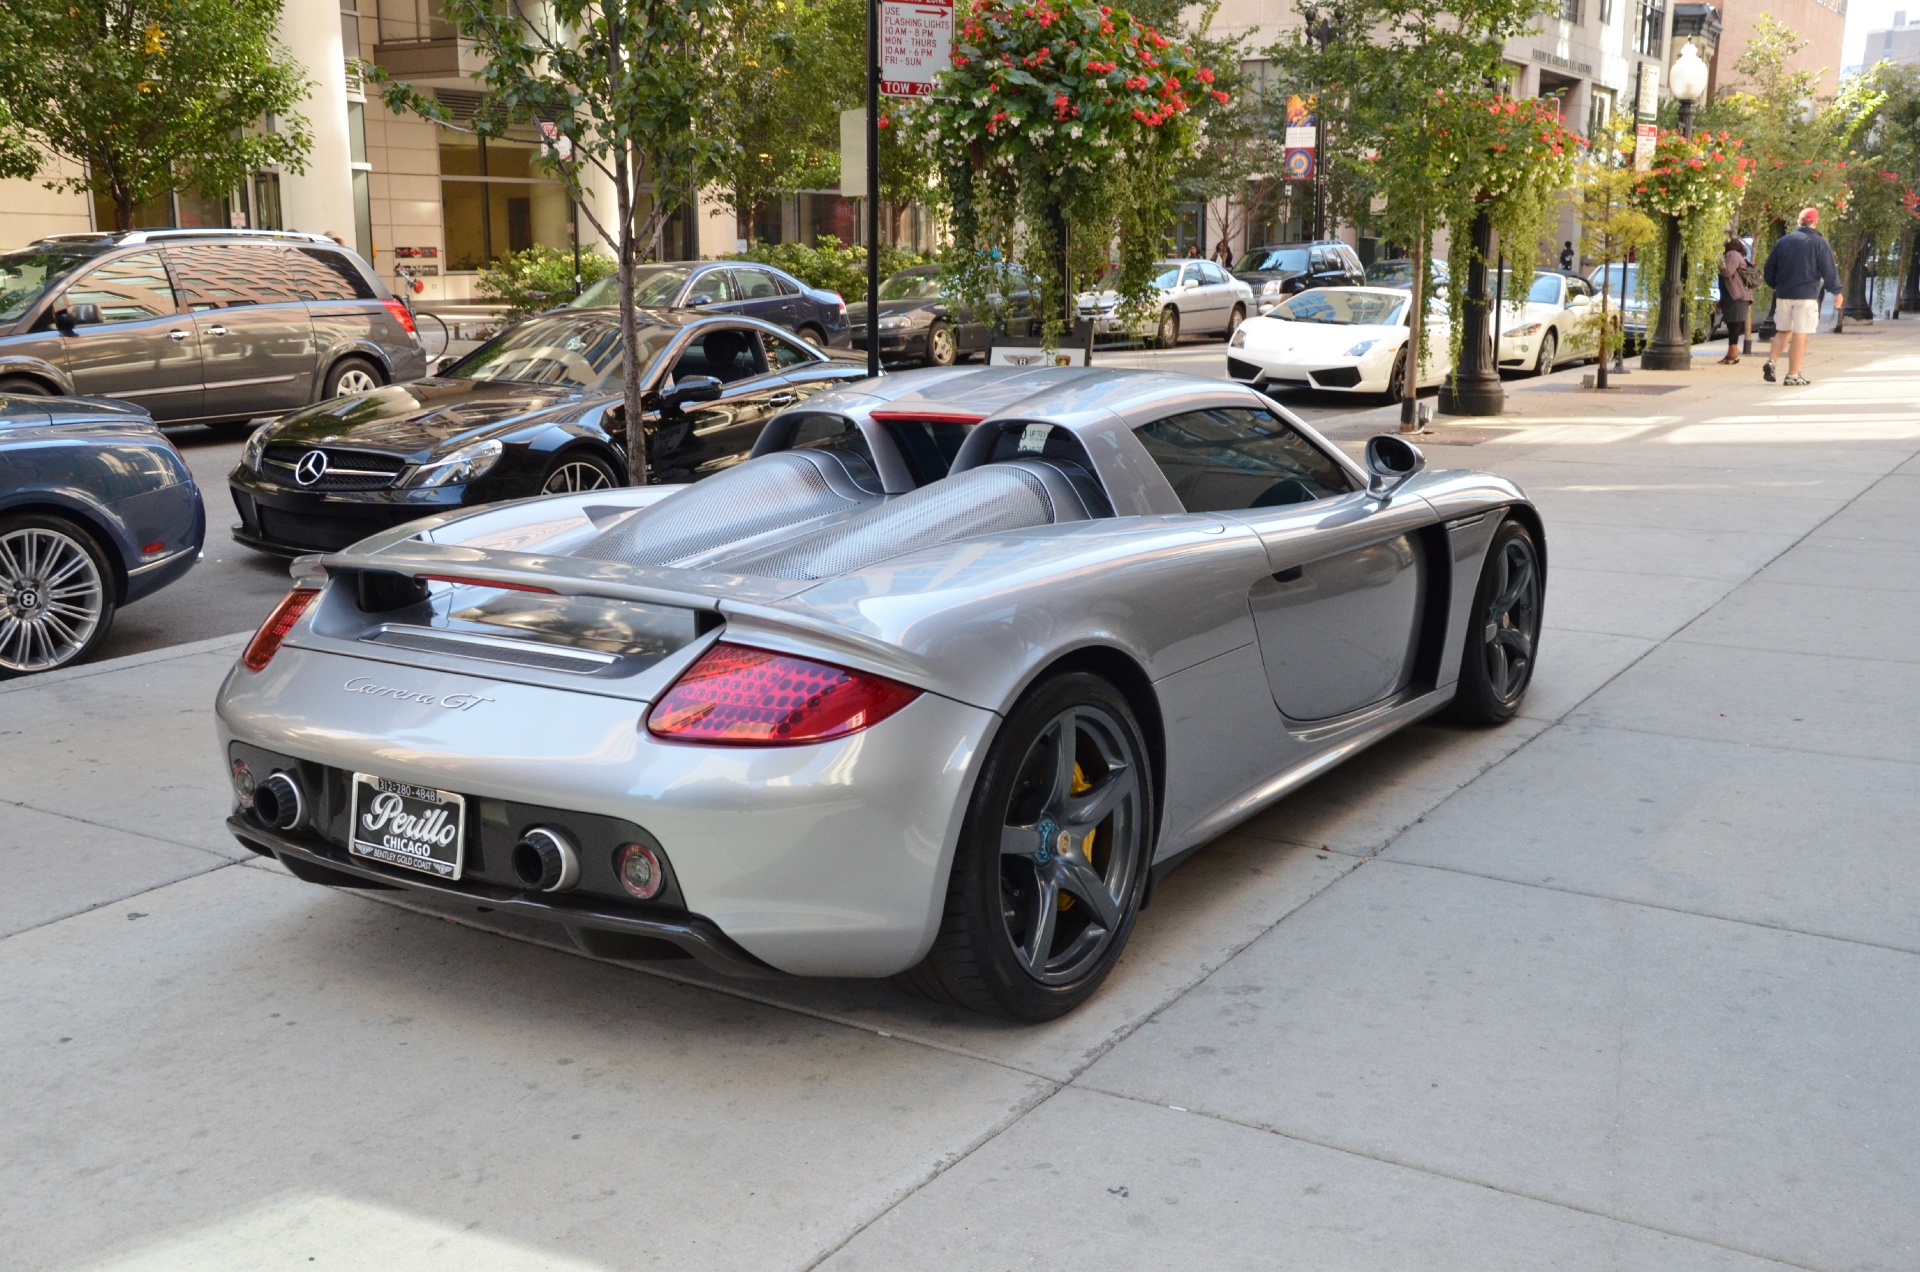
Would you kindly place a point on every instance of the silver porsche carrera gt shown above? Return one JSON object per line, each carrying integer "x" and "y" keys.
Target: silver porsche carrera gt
{"x": 934, "y": 685}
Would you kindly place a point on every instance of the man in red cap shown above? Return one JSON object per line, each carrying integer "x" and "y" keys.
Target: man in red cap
{"x": 1799, "y": 269}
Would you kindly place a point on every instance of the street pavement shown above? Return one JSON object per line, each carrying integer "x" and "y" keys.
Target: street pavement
{"x": 1628, "y": 983}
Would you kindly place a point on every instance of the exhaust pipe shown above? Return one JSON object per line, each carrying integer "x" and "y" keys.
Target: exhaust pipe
{"x": 545, "y": 861}
{"x": 278, "y": 803}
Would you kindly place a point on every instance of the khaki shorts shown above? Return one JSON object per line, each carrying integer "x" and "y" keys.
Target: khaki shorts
{"x": 1799, "y": 317}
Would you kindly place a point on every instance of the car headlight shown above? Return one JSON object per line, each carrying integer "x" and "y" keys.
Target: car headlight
{"x": 1361, "y": 348}
{"x": 1270, "y": 288}
{"x": 255, "y": 450}
{"x": 1239, "y": 340}
{"x": 461, "y": 466}
{"x": 1527, "y": 330}
{"x": 895, "y": 323}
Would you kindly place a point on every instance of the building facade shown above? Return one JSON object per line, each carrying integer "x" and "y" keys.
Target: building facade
{"x": 1897, "y": 43}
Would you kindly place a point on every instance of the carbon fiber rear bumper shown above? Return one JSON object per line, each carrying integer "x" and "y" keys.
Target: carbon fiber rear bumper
{"x": 598, "y": 932}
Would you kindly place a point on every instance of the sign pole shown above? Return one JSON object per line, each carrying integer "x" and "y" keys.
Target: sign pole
{"x": 873, "y": 187}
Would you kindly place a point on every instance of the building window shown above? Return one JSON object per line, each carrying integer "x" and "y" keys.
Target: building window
{"x": 266, "y": 201}
{"x": 1570, "y": 11}
{"x": 493, "y": 202}
{"x": 1650, "y": 30}
{"x": 1606, "y": 12}
{"x": 1599, "y": 111}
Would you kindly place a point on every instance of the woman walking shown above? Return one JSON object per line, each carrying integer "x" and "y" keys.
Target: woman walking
{"x": 1736, "y": 295}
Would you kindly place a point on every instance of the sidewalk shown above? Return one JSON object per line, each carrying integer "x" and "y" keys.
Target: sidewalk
{"x": 1629, "y": 983}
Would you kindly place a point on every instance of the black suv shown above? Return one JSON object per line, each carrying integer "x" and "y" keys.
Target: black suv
{"x": 1278, "y": 270}
{"x": 199, "y": 326}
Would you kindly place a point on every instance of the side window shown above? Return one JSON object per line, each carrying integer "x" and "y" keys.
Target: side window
{"x": 328, "y": 275}
{"x": 127, "y": 290}
{"x": 228, "y": 276}
{"x": 725, "y": 353}
{"x": 755, "y": 284}
{"x": 1210, "y": 273}
{"x": 784, "y": 355}
{"x": 1577, "y": 289}
{"x": 1324, "y": 261}
{"x": 1352, "y": 260}
{"x": 716, "y": 285}
{"x": 786, "y": 285}
{"x": 1191, "y": 274}
{"x": 1233, "y": 458}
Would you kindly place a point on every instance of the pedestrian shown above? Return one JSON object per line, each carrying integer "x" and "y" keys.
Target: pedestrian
{"x": 1799, "y": 269}
{"x": 1193, "y": 251}
{"x": 1736, "y": 294}
{"x": 1223, "y": 255}
{"x": 1566, "y": 255}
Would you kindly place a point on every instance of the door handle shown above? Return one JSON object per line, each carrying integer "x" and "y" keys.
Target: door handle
{"x": 1292, "y": 574}
{"x": 216, "y": 330}
{"x": 176, "y": 335}
{"x": 782, "y": 399}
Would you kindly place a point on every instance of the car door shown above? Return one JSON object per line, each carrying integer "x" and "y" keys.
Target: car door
{"x": 712, "y": 289}
{"x": 256, "y": 337}
{"x": 1338, "y": 612}
{"x": 1217, "y": 285}
{"x": 703, "y": 438}
{"x": 144, "y": 348}
{"x": 1197, "y": 302}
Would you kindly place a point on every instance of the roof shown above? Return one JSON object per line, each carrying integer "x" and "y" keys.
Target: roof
{"x": 1056, "y": 394}
{"x": 122, "y": 238}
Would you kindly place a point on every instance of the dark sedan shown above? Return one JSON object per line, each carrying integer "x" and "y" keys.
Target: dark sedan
{"x": 96, "y": 511}
{"x": 920, "y": 323}
{"x": 817, "y": 316}
{"x": 536, "y": 410}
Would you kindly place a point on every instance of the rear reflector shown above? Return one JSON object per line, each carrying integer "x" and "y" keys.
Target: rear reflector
{"x": 266, "y": 641}
{"x": 736, "y": 696}
{"x": 401, "y": 314}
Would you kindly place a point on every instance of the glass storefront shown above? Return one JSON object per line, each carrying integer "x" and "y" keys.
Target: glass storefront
{"x": 493, "y": 201}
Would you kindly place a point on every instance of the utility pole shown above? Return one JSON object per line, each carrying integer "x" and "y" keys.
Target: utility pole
{"x": 873, "y": 187}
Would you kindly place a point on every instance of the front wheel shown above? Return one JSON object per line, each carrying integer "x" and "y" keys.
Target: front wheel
{"x": 572, "y": 474}
{"x": 1503, "y": 638}
{"x": 1167, "y": 334}
{"x": 56, "y": 594}
{"x": 1397, "y": 378}
{"x": 941, "y": 349}
{"x": 1052, "y": 860}
{"x": 1549, "y": 350}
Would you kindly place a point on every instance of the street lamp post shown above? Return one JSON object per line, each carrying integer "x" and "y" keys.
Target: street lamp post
{"x": 1671, "y": 348}
{"x": 1475, "y": 389}
{"x": 1321, "y": 31}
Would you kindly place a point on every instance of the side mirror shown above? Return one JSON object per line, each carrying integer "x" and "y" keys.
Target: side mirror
{"x": 699, "y": 299}
{"x": 692, "y": 389}
{"x": 84, "y": 314}
{"x": 1391, "y": 463}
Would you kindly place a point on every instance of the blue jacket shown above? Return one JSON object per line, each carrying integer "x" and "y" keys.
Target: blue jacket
{"x": 1801, "y": 265}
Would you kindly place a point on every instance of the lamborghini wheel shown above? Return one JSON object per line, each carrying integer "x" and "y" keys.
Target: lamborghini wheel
{"x": 1503, "y": 639}
{"x": 1052, "y": 860}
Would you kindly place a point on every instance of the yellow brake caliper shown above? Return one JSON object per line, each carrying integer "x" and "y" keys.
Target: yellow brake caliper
{"x": 1080, "y": 787}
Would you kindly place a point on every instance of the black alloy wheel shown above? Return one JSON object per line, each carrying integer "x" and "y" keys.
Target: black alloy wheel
{"x": 572, "y": 474}
{"x": 1503, "y": 642}
{"x": 1397, "y": 378}
{"x": 1053, "y": 857}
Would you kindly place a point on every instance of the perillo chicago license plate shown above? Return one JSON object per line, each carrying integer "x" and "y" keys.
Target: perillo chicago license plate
{"x": 403, "y": 825}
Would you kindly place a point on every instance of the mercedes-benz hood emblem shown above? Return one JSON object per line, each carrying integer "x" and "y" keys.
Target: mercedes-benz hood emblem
{"x": 311, "y": 468}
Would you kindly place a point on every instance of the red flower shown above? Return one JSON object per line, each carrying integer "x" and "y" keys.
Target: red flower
{"x": 1220, "y": 97}
{"x": 1204, "y": 75}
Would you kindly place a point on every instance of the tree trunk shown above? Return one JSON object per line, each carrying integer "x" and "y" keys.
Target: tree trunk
{"x": 1416, "y": 329}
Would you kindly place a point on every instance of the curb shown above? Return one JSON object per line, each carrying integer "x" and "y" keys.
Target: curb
{"x": 168, "y": 653}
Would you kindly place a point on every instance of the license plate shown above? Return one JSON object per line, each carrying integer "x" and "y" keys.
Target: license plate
{"x": 404, "y": 825}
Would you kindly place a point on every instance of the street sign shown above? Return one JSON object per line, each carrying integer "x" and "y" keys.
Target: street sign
{"x": 853, "y": 154}
{"x": 916, "y": 44}
{"x": 1645, "y": 138}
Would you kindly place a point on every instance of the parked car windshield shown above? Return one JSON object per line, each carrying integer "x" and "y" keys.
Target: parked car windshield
{"x": 1168, "y": 277}
{"x": 652, "y": 289}
{"x": 1343, "y": 308}
{"x": 576, "y": 349}
{"x": 29, "y": 274}
{"x": 912, "y": 285}
{"x": 1608, "y": 277}
{"x": 1287, "y": 260}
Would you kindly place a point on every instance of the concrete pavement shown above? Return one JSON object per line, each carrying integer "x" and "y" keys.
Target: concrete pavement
{"x": 1629, "y": 983}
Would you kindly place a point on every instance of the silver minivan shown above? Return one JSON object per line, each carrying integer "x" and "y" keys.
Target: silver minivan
{"x": 200, "y": 326}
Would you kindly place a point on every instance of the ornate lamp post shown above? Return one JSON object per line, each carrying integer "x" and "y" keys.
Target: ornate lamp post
{"x": 1475, "y": 389}
{"x": 1670, "y": 349}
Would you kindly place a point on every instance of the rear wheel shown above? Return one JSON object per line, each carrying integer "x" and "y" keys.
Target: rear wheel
{"x": 23, "y": 386}
{"x": 349, "y": 376}
{"x": 56, "y": 594}
{"x": 1052, "y": 860}
{"x": 813, "y": 336}
{"x": 1234, "y": 319}
{"x": 572, "y": 474}
{"x": 1504, "y": 637}
{"x": 1167, "y": 334}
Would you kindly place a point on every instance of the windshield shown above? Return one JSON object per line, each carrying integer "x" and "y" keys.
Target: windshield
{"x": 914, "y": 285}
{"x": 1167, "y": 278}
{"x": 26, "y": 276}
{"x": 652, "y": 289}
{"x": 1609, "y": 278}
{"x": 1343, "y": 308}
{"x": 1286, "y": 260}
{"x": 579, "y": 350}
{"x": 1399, "y": 271}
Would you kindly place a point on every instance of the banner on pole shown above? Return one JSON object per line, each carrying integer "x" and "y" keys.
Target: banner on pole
{"x": 1302, "y": 139}
{"x": 916, "y": 44}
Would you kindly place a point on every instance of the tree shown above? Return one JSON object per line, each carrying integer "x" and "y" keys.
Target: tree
{"x": 147, "y": 96}
{"x": 1878, "y": 212}
{"x": 1612, "y": 229}
{"x": 1059, "y": 131}
{"x": 625, "y": 88}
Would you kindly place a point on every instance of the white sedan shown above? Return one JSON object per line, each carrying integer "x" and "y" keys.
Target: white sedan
{"x": 1344, "y": 339}
{"x": 1556, "y": 322}
{"x": 1194, "y": 297}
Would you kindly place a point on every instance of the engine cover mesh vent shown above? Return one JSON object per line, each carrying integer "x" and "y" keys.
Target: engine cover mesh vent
{"x": 983, "y": 501}
{"x": 750, "y": 499}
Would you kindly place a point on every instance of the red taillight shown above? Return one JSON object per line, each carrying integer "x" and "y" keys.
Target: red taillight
{"x": 401, "y": 314}
{"x": 266, "y": 641}
{"x": 735, "y": 696}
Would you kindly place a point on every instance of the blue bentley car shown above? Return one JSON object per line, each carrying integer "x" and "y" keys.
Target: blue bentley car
{"x": 96, "y": 511}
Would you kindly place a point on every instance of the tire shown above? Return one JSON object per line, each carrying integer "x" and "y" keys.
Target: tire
{"x": 1549, "y": 351}
{"x": 942, "y": 349}
{"x": 24, "y": 386}
{"x": 56, "y": 594}
{"x": 574, "y": 472}
{"x": 1503, "y": 639}
{"x": 1167, "y": 333}
{"x": 349, "y": 376}
{"x": 1020, "y": 935}
{"x": 1397, "y": 378}
{"x": 1234, "y": 319}
{"x": 813, "y": 336}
